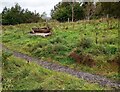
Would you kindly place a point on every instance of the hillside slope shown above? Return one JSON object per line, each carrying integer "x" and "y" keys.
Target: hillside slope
{"x": 20, "y": 75}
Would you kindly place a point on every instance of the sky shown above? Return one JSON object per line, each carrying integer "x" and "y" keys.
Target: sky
{"x": 39, "y": 5}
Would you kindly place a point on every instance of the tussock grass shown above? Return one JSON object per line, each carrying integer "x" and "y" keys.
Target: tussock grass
{"x": 80, "y": 35}
{"x": 17, "y": 74}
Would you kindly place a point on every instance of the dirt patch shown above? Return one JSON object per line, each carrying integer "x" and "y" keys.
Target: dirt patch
{"x": 83, "y": 59}
{"x": 88, "y": 60}
{"x": 115, "y": 60}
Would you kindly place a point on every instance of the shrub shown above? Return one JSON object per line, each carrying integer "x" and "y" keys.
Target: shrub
{"x": 112, "y": 49}
{"x": 115, "y": 59}
{"x": 86, "y": 43}
{"x": 56, "y": 40}
{"x": 102, "y": 49}
{"x": 41, "y": 44}
{"x": 50, "y": 50}
{"x": 59, "y": 47}
{"x": 110, "y": 41}
{"x": 5, "y": 56}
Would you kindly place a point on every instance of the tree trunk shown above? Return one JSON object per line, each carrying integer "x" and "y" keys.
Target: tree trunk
{"x": 73, "y": 12}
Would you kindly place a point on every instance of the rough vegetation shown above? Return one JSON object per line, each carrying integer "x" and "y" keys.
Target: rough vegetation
{"x": 85, "y": 45}
{"x": 19, "y": 75}
{"x": 62, "y": 42}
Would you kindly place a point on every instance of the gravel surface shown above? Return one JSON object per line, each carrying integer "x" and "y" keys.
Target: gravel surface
{"x": 56, "y": 67}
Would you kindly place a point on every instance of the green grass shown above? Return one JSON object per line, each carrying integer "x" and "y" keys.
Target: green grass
{"x": 19, "y": 75}
{"x": 57, "y": 47}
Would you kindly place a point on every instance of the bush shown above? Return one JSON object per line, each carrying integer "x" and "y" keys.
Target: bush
{"x": 50, "y": 50}
{"x": 41, "y": 44}
{"x": 110, "y": 41}
{"x": 86, "y": 43}
{"x": 101, "y": 49}
{"x": 6, "y": 54}
{"x": 112, "y": 50}
{"x": 56, "y": 40}
{"x": 59, "y": 47}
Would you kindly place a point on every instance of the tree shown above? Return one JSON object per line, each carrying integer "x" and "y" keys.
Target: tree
{"x": 89, "y": 9}
{"x": 111, "y": 8}
{"x": 63, "y": 10}
{"x": 17, "y": 15}
{"x": 44, "y": 15}
{"x": 99, "y": 9}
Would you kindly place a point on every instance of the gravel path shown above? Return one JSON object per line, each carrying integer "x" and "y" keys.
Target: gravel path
{"x": 52, "y": 66}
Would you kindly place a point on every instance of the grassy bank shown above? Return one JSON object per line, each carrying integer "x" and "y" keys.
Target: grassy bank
{"x": 19, "y": 75}
{"x": 65, "y": 38}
